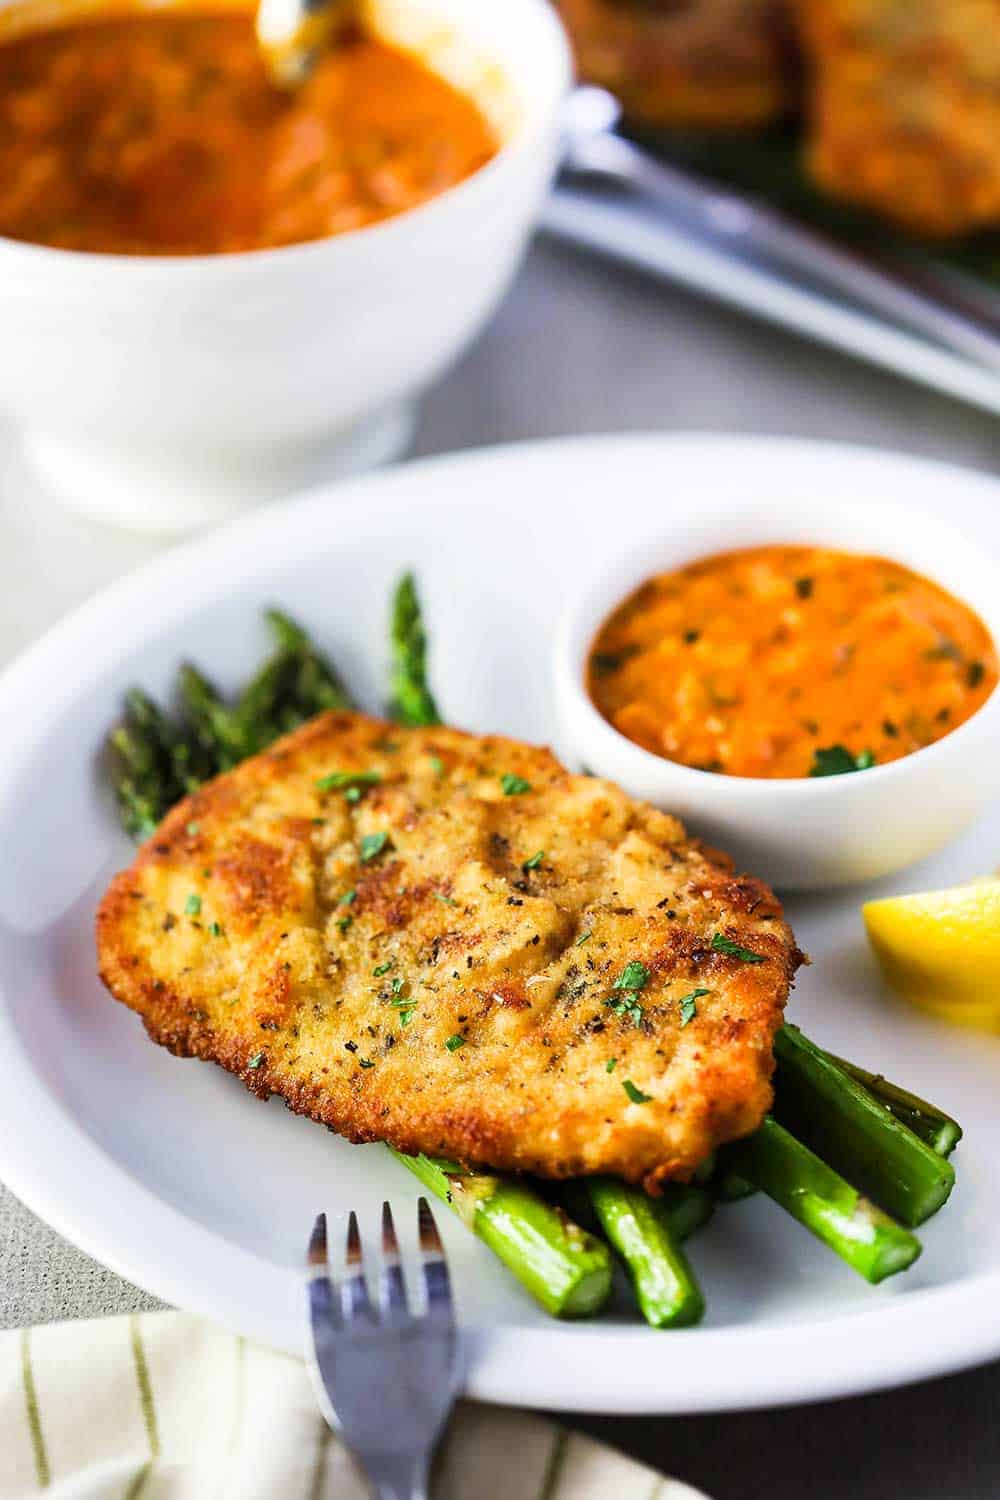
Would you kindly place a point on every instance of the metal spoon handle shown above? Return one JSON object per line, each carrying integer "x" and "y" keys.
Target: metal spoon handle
{"x": 759, "y": 233}
{"x": 292, "y": 34}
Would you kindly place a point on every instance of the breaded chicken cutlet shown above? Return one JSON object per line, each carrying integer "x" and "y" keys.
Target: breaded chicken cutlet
{"x": 905, "y": 108}
{"x": 725, "y": 64}
{"x": 449, "y": 943}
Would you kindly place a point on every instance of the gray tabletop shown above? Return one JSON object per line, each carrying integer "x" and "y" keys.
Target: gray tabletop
{"x": 583, "y": 347}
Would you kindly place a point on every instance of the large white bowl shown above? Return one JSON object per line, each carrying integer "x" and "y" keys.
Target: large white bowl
{"x": 812, "y": 832}
{"x": 166, "y": 392}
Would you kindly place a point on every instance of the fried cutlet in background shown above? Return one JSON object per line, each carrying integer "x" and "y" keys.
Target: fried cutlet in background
{"x": 702, "y": 63}
{"x": 904, "y": 106}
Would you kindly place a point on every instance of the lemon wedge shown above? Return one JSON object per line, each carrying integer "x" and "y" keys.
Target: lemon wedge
{"x": 941, "y": 950}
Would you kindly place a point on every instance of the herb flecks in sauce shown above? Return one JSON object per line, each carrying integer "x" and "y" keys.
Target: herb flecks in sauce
{"x": 837, "y": 760}
{"x": 775, "y": 660}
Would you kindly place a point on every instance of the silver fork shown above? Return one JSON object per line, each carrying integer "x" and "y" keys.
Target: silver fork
{"x": 385, "y": 1377}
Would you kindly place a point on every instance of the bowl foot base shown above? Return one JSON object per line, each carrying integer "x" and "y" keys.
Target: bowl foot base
{"x": 176, "y": 490}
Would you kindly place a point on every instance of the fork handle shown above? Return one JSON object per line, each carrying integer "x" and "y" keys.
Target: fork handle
{"x": 403, "y": 1479}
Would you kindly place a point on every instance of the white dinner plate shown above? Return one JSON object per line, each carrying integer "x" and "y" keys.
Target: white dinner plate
{"x": 169, "y": 1172}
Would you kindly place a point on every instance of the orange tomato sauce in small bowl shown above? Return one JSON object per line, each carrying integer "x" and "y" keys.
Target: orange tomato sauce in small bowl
{"x": 160, "y": 133}
{"x": 789, "y": 662}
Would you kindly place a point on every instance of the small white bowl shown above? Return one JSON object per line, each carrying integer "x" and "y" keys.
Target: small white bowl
{"x": 168, "y": 392}
{"x": 806, "y": 833}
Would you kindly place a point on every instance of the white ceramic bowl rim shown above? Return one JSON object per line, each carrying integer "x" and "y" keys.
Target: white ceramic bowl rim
{"x": 538, "y": 113}
{"x": 581, "y": 621}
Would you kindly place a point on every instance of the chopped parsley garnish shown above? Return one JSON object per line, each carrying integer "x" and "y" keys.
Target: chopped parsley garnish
{"x": 689, "y": 1004}
{"x": 534, "y": 861}
{"x": 454, "y": 1042}
{"x": 256, "y": 1061}
{"x": 632, "y": 979}
{"x": 611, "y": 1065}
{"x": 635, "y": 1095}
{"x": 406, "y": 1016}
{"x": 215, "y": 929}
{"x": 372, "y": 845}
{"x": 193, "y": 828}
{"x": 192, "y": 906}
{"x": 975, "y": 673}
{"x": 437, "y": 765}
{"x": 397, "y": 987}
{"x": 804, "y": 587}
{"x": 629, "y": 1010}
{"x": 584, "y": 937}
{"x": 837, "y": 760}
{"x": 514, "y": 786}
{"x": 722, "y": 944}
{"x": 353, "y": 794}
{"x": 444, "y": 900}
{"x": 365, "y": 1062}
{"x": 381, "y": 969}
{"x": 634, "y": 976}
{"x": 345, "y": 924}
{"x": 341, "y": 781}
{"x": 348, "y": 898}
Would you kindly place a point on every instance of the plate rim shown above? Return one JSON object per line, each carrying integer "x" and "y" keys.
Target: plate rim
{"x": 724, "y": 1368}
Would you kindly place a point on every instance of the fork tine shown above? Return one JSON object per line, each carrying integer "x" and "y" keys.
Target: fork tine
{"x": 391, "y": 1287}
{"x": 322, "y": 1310}
{"x": 354, "y": 1299}
{"x": 437, "y": 1282}
{"x": 317, "y": 1245}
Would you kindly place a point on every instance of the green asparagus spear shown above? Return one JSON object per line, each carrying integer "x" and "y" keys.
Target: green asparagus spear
{"x": 215, "y": 727}
{"x": 730, "y": 1187}
{"x": 705, "y": 1170}
{"x": 931, "y": 1124}
{"x": 647, "y": 1233}
{"x": 860, "y": 1233}
{"x": 138, "y": 785}
{"x": 261, "y": 714}
{"x": 154, "y": 765}
{"x": 566, "y": 1269}
{"x": 293, "y": 685}
{"x": 853, "y": 1131}
{"x": 288, "y": 634}
{"x": 664, "y": 1283}
{"x": 412, "y": 700}
{"x": 685, "y": 1207}
{"x": 316, "y": 685}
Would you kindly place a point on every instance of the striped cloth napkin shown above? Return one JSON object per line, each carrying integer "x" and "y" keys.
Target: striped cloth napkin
{"x": 166, "y": 1407}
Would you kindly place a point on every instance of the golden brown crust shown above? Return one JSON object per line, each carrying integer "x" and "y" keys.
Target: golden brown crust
{"x": 235, "y": 937}
{"x": 906, "y": 108}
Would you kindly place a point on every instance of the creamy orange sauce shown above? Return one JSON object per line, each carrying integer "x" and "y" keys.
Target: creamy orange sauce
{"x": 754, "y": 663}
{"x": 162, "y": 134}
